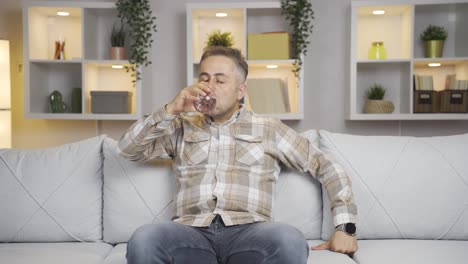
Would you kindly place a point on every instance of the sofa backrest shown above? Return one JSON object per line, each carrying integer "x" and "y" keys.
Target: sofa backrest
{"x": 136, "y": 194}
{"x": 404, "y": 187}
{"x": 53, "y": 194}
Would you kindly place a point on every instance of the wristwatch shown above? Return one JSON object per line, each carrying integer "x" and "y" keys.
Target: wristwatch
{"x": 348, "y": 228}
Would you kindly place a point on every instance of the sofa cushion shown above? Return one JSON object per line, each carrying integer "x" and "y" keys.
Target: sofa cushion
{"x": 299, "y": 198}
{"x": 411, "y": 251}
{"x": 54, "y": 253}
{"x": 52, "y": 194}
{"x": 405, "y": 187}
{"x": 136, "y": 194}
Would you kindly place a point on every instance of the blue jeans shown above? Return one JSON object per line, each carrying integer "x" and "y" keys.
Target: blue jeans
{"x": 263, "y": 242}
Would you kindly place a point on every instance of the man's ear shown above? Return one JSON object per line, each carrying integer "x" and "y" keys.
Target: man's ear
{"x": 241, "y": 92}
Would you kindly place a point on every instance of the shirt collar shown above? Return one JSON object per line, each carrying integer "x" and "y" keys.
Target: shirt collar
{"x": 235, "y": 116}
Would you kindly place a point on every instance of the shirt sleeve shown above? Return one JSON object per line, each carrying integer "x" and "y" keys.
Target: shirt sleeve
{"x": 297, "y": 152}
{"x": 152, "y": 137}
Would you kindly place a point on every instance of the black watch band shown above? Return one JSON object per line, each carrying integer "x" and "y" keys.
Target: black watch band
{"x": 348, "y": 228}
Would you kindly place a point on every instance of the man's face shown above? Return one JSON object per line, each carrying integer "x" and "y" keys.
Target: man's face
{"x": 226, "y": 84}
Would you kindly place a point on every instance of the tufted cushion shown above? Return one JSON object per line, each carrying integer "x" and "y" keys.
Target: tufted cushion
{"x": 298, "y": 198}
{"x": 134, "y": 193}
{"x": 53, "y": 194}
{"x": 405, "y": 187}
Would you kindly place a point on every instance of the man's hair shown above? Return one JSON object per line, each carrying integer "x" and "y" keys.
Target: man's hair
{"x": 231, "y": 53}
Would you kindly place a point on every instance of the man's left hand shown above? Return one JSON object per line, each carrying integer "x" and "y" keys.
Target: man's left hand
{"x": 340, "y": 242}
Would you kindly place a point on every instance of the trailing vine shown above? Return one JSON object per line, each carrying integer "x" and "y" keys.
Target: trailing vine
{"x": 299, "y": 13}
{"x": 138, "y": 17}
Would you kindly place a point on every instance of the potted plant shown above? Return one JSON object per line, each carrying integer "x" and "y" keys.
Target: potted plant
{"x": 117, "y": 50}
{"x": 299, "y": 13}
{"x": 216, "y": 38}
{"x": 140, "y": 23}
{"x": 434, "y": 38}
{"x": 375, "y": 102}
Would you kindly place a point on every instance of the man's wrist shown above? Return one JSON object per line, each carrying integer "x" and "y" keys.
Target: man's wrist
{"x": 348, "y": 228}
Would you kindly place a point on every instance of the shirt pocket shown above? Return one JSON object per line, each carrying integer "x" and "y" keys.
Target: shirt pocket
{"x": 249, "y": 150}
{"x": 196, "y": 148}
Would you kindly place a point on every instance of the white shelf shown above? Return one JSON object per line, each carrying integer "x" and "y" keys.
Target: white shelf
{"x": 399, "y": 28}
{"x": 415, "y": 116}
{"x": 87, "y": 65}
{"x": 244, "y": 19}
{"x": 71, "y": 116}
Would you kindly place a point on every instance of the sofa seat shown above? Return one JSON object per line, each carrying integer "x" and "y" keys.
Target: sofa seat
{"x": 412, "y": 251}
{"x": 326, "y": 256}
{"x": 54, "y": 253}
{"x": 117, "y": 255}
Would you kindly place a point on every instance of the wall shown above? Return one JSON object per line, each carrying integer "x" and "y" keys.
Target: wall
{"x": 326, "y": 79}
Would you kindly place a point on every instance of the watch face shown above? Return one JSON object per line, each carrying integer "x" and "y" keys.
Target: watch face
{"x": 350, "y": 228}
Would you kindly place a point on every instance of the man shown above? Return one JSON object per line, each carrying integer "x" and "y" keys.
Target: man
{"x": 226, "y": 162}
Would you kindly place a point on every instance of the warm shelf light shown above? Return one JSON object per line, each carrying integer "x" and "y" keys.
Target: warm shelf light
{"x": 378, "y": 12}
{"x": 221, "y": 14}
{"x": 63, "y": 13}
{"x": 272, "y": 66}
{"x": 117, "y": 66}
{"x": 434, "y": 64}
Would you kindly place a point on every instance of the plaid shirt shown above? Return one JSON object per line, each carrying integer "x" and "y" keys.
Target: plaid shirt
{"x": 231, "y": 169}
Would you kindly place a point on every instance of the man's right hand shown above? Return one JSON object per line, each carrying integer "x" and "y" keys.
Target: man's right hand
{"x": 183, "y": 102}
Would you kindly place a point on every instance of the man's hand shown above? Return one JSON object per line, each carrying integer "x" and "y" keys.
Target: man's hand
{"x": 183, "y": 102}
{"x": 340, "y": 242}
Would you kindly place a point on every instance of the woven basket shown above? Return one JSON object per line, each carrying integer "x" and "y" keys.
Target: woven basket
{"x": 378, "y": 106}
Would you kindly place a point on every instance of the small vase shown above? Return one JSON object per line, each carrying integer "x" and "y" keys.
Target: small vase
{"x": 377, "y": 51}
{"x": 433, "y": 48}
{"x": 117, "y": 53}
{"x": 378, "y": 107}
{"x": 56, "y": 102}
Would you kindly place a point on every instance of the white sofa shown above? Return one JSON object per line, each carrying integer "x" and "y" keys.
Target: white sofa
{"x": 80, "y": 202}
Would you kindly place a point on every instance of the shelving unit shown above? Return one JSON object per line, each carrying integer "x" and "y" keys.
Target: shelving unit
{"x": 243, "y": 19}
{"x": 399, "y": 29}
{"x": 87, "y": 63}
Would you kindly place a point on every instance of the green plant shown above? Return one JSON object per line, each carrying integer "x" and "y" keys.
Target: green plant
{"x": 137, "y": 15}
{"x": 434, "y": 33}
{"x": 117, "y": 36}
{"x": 299, "y": 13}
{"x": 216, "y": 38}
{"x": 375, "y": 92}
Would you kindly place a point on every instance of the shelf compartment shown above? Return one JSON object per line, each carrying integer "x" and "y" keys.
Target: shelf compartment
{"x": 279, "y": 83}
{"x": 100, "y": 76}
{"x": 394, "y": 77}
{"x": 50, "y": 76}
{"x": 268, "y": 20}
{"x": 453, "y": 17}
{"x": 45, "y": 27}
{"x": 457, "y": 67}
{"x": 393, "y": 29}
{"x": 204, "y": 22}
{"x": 98, "y": 23}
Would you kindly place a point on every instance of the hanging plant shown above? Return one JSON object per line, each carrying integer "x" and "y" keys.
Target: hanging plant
{"x": 137, "y": 15}
{"x": 299, "y": 13}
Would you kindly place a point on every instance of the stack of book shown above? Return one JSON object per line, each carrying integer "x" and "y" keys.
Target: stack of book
{"x": 451, "y": 83}
{"x": 423, "y": 83}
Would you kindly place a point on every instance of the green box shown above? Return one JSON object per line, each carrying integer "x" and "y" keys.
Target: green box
{"x": 268, "y": 46}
